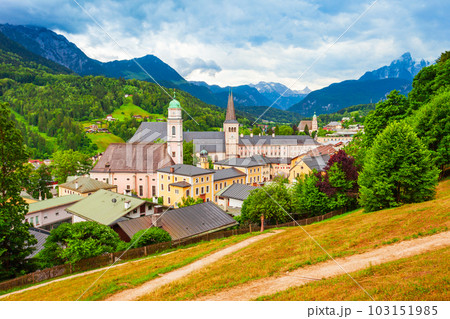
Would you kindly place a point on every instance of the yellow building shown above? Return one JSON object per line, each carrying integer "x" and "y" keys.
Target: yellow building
{"x": 84, "y": 186}
{"x": 304, "y": 165}
{"x": 256, "y": 169}
{"x": 226, "y": 177}
{"x": 180, "y": 180}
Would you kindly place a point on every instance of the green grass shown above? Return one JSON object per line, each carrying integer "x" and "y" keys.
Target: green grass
{"x": 102, "y": 140}
{"x": 128, "y": 109}
{"x": 421, "y": 277}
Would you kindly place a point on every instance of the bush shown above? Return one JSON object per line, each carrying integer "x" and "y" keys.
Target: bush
{"x": 150, "y": 236}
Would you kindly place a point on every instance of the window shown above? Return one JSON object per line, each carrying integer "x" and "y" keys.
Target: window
{"x": 176, "y": 179}
{"x": 216, "y": 186}
{"x": 141, "y": 190}
{"x": 140, "y": 179}
{"x": 115, "y": 178}
{"x": 168, "y": 200}
{"x": 173, "y": 130}
{"x": 37, "y": 220}
{"x": 142, "y": 210}
{"x": 162, "y": 187}
{"x": 57, "y": 214}
{"x": 203, "y": 190}
{"x": 207, "y": 189}
{"x": 196, "y": 191}
{"x": 173, "y": 154}
{"x": 176, "y": 191}
{"x": 207, "y": 179}
{"x": 162, "y": 176}
{"x": 202, "y": 179}
{"x": 168, "y": 188}
{"x": 196, "y": 180}
{"x": 187, "y": 193}
{"x": 225, "y": 184}
{"x": 153, "y": 190}
{"x": 128, "y": 179}
{"x": 128, "y": 186}
{"x": 220, "y": 185}
{"x": 45, "y": 217}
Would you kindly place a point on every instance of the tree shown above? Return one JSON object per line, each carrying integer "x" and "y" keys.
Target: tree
{"x": 399, "y": 169}
{"x": 69, "y": 162}
{"x": 15, "y": 240}
{"x": 307, "y": 199}
{"x": 38, "y": 181}
{"x": 189, "y": 201}
{"x": 151, "y": 236}
{"x": 256, "y": 130}
{"x": 285, "y": 130}
{"x": 70, "y": 243}
{"x": 306, "y": 130}
{"x": 271, "y": 202}
{"x": 339, "y": 180}
{"x": 431, "y": 122}
{"x": 188, "y": 153}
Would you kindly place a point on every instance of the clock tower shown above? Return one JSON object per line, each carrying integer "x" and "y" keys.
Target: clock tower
{"x": 231, "y": 129}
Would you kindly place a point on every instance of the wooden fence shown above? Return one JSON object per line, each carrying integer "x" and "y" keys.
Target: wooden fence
{"x": 110, "y": 258}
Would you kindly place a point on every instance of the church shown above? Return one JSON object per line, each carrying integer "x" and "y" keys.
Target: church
{"x": 227, "y": 143}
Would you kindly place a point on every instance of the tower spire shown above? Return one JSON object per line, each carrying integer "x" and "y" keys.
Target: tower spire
{"x": 231, "y": 116}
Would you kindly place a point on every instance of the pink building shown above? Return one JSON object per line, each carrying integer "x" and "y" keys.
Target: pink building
{"x": 132, "y": 167}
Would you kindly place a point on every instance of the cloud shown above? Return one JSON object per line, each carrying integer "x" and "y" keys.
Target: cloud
{"x": 187, "y": 66}
{"x": 232, "y": 42}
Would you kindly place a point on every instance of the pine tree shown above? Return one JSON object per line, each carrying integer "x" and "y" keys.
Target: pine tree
{"x": 15, "y": 239}
{"x": 398, "y": 170}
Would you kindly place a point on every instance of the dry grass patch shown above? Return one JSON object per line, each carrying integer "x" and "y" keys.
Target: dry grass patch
{"x": 351, "y": 234}
{"x": 421, "y": 277}
{"x": 125, "y": 276}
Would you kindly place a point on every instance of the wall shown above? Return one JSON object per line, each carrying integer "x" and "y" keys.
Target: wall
{"x": 53, "y": 215}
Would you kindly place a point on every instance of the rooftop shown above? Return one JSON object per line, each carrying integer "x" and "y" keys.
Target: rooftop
{"x": 243, "y": 161}
{"x": 41, "y": 236}
{"x": 53, "y": 202}
{"x": 316, "y": 162}
{"x": 236, "y": 191}
{"x": 104, "y": 207}
{"x": 227, "y": 173}
{"x": 86, "y": 185}
{"x": 182, "y": 184}
{"x": 185, "y": 170}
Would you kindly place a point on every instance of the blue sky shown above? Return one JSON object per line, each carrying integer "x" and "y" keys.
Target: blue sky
{"x": 239, "y": 42}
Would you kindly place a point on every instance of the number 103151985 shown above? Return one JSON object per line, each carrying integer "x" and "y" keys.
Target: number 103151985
{"x": 395, "y": 310}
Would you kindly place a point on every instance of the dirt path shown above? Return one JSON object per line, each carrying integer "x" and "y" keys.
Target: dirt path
{"x": 328, "y": 269}
{"x": 133, "y": 294}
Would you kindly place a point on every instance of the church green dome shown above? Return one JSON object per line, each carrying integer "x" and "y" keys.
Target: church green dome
{"x": 174, "y": 104}
{"x": 204, "y": 152}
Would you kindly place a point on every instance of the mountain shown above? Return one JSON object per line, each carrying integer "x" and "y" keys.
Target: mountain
{"x": 372, "y": 87}
{"x": 272, "y": 91}
{"x": 403, "y": 68}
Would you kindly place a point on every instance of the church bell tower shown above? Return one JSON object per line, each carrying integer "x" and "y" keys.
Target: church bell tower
{"x": 231, "y": 129}
{"x": 175, "y": 131}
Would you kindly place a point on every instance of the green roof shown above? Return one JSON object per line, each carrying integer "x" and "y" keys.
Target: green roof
{"x": 104, "y": 207}
{"x": 53, "y": 202}
{"x": 174, "y": 104}
{"x": 86, "y": 185}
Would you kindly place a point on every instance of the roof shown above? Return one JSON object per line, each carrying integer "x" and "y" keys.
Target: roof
{"x": 278, "y": 160}
{"x": 149, "y": 131}
{"x": 86, "y": 185}
{"x": 316, "y": 162}
{"x": 322, "y": 150}
{"x": 230, "y": 117}
{"x": 195, "y": 220}
{"x": 133, "y": 158}
{"x": 53, "y": 202}
{"x": 243, "y": 161}
{"x": 181, "y": 184}
{"x": 133, "y": 225}
{"x": 174, "y": 104}
{"x": 277, "y": 140}
{"x": 227, "y": 173}
{"x": 41, "y": 236}
{"x": 334, "y": 123}
{"x": 104, "y": 207}
{"x": 185, "y": 170}
{"x": 302, "y": 125}
{"x": 236, "y": 191}
{"x": 212, "y": 141}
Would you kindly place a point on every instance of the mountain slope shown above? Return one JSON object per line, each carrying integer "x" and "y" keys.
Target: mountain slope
{"x": 369, "y": 88}
{"x": 273, "y": 91}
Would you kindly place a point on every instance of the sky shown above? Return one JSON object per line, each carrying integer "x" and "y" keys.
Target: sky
{"x": 297, "y": 43}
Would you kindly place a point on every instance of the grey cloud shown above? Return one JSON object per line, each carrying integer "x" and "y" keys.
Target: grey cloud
{"x": 187, "y": 66}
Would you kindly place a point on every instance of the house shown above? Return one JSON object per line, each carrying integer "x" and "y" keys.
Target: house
{"x": 138, "y": 117}
{"x": 226, "y": 177}
{"x": 107, "y": 208}
{"x": 36, "y": 163}
{"x": 333, "y": 126}
{"x": 180, "y": 180}
{"x": 50, "y": 213}
{"x": 41, "y": 236}
{"x": 132, "y": 167}
{"x": 311, "y": 124}
{"x": 109, "y": 117}
{"x": 306, "y": 164}
{"x": 332, "y": 139}
{"x": 181, "y": 223}
{"x": 279, "y": 166}
{"x": 84, "y": 186}
{"x": 234, "y": 195}
{"x": 256, "y": 168}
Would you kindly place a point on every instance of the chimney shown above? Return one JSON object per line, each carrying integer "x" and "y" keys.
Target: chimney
{"x": 127, "y": 204}
{"x": 242, "y": 134}
{"x": 251, "y": 134}
{"x": 76, "y": 185}
{"x": 259, "y": 134}
{"x": 273, "y": 134}
{"x": 156, "y": 219}
{"x": 172, "y": 169}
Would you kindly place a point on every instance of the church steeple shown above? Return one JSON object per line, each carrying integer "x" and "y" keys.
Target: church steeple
{"x": 231, "y": 116}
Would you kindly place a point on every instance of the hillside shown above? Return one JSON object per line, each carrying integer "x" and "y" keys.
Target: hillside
{"x": 342, "y": 236}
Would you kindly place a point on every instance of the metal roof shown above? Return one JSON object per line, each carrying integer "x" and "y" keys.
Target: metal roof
{"x": 104, "y": 207}
{"x": 86, "y": 185}
{"x": 195, "y": 220}
{"x": 53, "y": 202}
{"x": 243, "y": 161}
{"x": 149, "y": 131}
{"x": 213, "y": 142}
{"x": 133, "y": 225}
{"x": 316, "y": 162}
{"x": 41, "y": 236}
{"x": 133, "y": 158}
{"x": 181, "y": 184}
{"x": 185, "y": 170}
{"x": 232, "y": 172}
{"x": 236, "y": 191}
